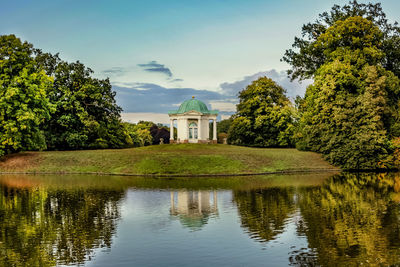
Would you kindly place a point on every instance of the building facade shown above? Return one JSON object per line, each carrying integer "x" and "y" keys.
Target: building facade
{"x": 193, "y": 122}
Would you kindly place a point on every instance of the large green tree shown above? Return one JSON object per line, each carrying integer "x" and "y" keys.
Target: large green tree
{"x": 264, "y": 116}
{"x": 351, "y": 112}
{"x": 306, "y": 57}
{"x": 24, "y": 104}
{"x": 87, "y": 115}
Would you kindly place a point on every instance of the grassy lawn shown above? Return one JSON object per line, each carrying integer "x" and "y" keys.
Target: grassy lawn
{"x": 166, "y": 159}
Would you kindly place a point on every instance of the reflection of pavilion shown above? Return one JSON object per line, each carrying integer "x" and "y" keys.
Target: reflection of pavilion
{"x": 193, "y": 208}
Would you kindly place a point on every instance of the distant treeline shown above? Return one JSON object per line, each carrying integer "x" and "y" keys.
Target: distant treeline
{"x": 350, "y": 113}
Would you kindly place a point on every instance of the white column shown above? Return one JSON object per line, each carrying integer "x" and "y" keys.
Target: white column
{"x": 186, "y": 128}
{"x": 199, "y": 137}
{"x": 215, "y": 129}
{"x": 171, "y": 130}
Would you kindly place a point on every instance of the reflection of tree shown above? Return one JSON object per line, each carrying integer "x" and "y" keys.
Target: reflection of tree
{"x": 264, "y": 212}
{"x": 43, "y": 228}
{"x": 352, "y": 220}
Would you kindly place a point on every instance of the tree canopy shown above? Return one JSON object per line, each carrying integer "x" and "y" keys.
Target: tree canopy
{"x": 87, "y": 115}
{"x": 24, "y": 102}
{"x": 264, "y": 116}
{"x": 306, "y": 57}
{"x": 47, "y": 103}
{"x": 351, "y": 112}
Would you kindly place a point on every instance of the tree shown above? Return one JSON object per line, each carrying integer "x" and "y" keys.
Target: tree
{"x": 241, "y": 132}
{"x": 24, "y": 104}
{"x": 351, "y": 112}
{"x": 87, "y": 115}
{"x": 139, "y": 133}
{"x": 158, "y": 132}
{"x": 223, "y": 125}
{"x": 264, "y": 116}
{"x": 306, "y": 58}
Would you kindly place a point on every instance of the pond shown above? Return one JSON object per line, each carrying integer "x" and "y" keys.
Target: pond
{"x": 345, "y": 219}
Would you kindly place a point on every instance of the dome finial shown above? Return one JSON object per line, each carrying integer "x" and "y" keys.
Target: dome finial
{"x": 192, "y": 97}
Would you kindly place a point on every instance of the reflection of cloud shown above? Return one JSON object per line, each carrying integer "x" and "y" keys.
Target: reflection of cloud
{"x": 153, "y": 66}
{"x": 293, "y": 88}
{"x": 177, "y": 80}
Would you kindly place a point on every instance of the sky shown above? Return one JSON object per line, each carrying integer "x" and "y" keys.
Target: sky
{"x": 159, "y": 53}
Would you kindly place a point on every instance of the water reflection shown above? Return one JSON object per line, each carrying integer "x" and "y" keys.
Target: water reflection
{"x": 40, "y": 227}
{"x": 353, "y": 219}
{"x": 193, "y": 208}
{"x": 301, "y": 220}
{"x": 264, "y": 212}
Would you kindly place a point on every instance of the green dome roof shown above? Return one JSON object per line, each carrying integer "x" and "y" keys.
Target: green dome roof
{"x": 193, "y": 104}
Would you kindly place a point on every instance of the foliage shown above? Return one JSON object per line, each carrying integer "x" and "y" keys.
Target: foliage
{"x": 222, "y": 129}
{"x": 306, "y": 57}
{"x": 24, "y": 104}
{"x": 224, "y": 125}
{"x": 150, "y": 133}
{"x": 47, "y": 103}
{"x": 241, "y": 132}
{"x": 158, "y": 132}
{"x": 221, "y": 137}
{"x": 87, "y": 115}
{"x": 264, "y": 116}
{"x": 139, "y": 134}
{"x": 352, "y": 110}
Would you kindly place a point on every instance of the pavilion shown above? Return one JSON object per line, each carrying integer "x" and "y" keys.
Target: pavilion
{"x": 193, "y": 118}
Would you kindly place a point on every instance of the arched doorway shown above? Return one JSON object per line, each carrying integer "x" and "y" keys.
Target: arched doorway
{"x": 193, "y": 132}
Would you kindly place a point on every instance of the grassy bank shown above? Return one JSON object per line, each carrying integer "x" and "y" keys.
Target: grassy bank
{"x": 190, "y": 159}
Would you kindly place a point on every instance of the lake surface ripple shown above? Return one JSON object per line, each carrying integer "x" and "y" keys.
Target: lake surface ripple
{"x": 346, "y": 219}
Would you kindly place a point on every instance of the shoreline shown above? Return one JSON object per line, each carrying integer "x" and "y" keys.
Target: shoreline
{"x": 175, "y": 175}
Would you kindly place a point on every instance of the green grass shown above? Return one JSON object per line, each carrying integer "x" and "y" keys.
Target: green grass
{"x": 183, "y": 159}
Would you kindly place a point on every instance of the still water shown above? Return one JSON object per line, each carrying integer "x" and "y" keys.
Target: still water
{"x": 285, "y": 220}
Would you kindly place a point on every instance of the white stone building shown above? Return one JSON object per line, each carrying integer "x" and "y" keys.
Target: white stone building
{"x": 193, "y": 119}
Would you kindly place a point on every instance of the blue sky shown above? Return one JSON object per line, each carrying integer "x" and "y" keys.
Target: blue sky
{"x": 159, "y": 53}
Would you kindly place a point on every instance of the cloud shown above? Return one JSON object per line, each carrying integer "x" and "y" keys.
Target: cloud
{"x": 153, "y": 66}
{"x": 293, "y": 88}
{"x": 153, "y": 98}
{"x": 136, "y": 117}
{"x": 147, "y": 101}
{"x": 177, "y": 80}
{"x": 116, "y": 71}
{"x": 228, "y": 106}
